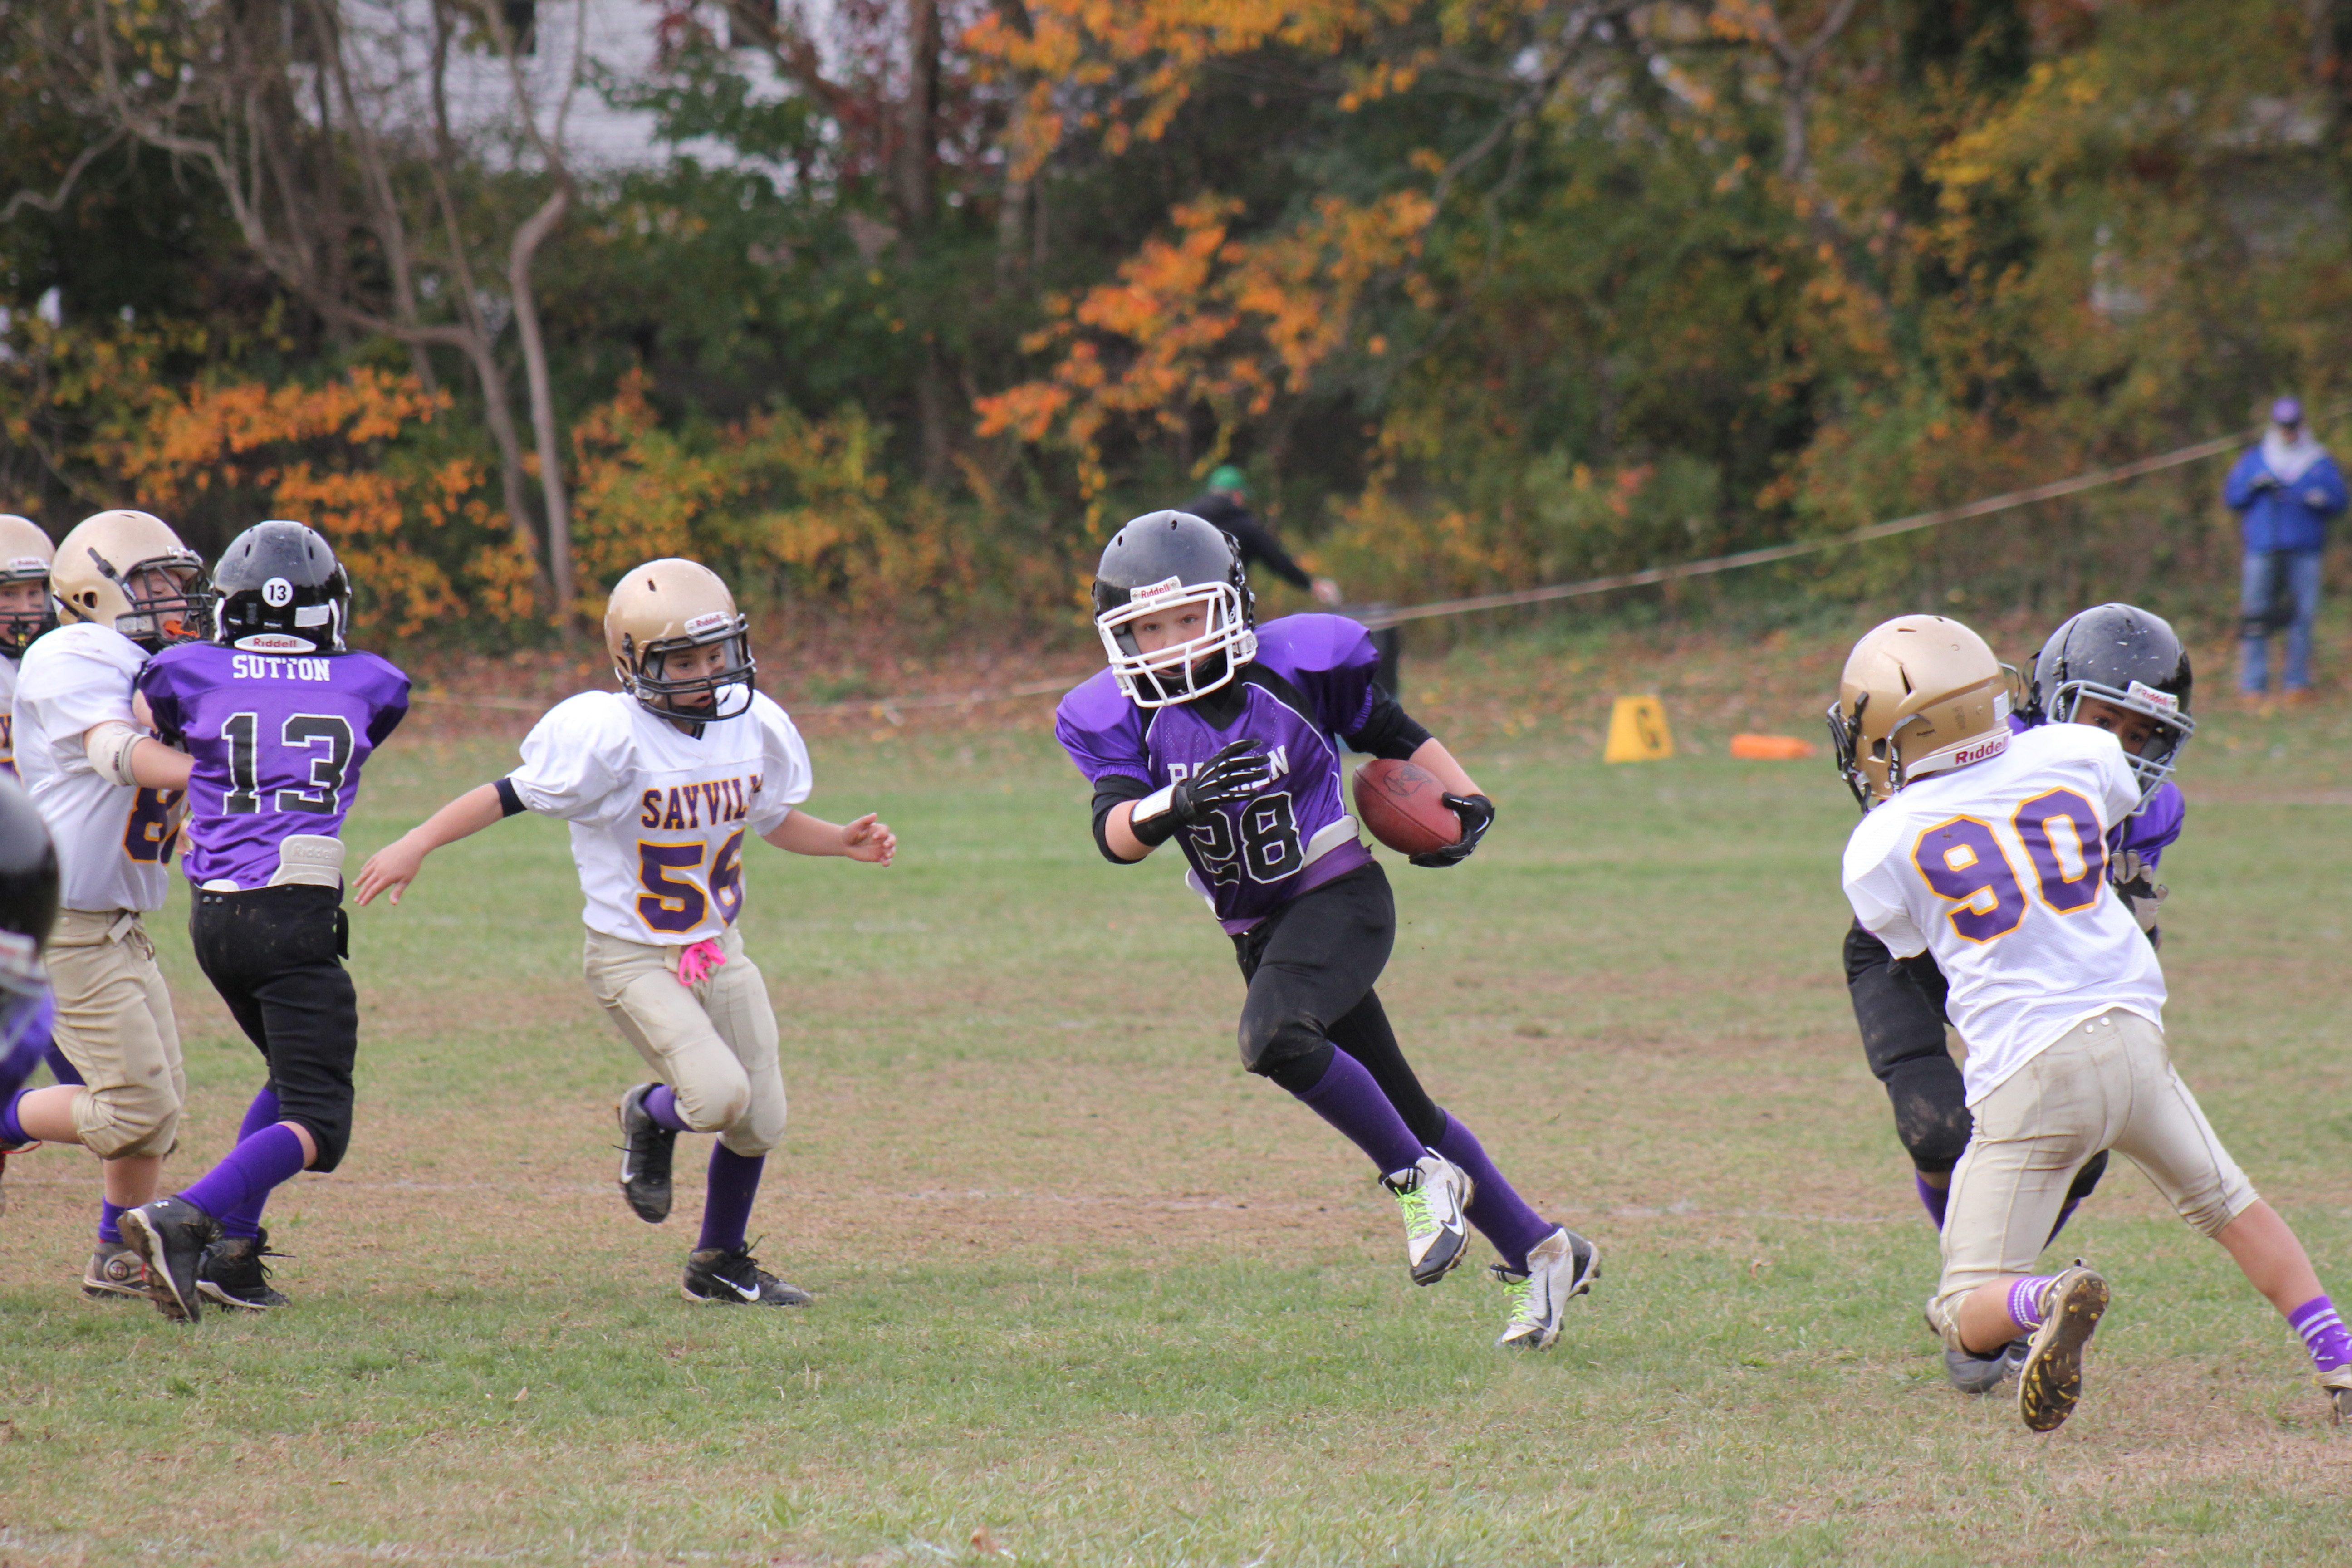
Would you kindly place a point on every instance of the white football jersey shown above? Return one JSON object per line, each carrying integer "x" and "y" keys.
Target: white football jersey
{"x": 658, "y": 815}
{"x": 114, "y": 841}
{"x": 2000, "y": 870}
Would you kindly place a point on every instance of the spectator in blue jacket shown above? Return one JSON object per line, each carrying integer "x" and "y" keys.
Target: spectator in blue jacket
{"x": 2284, "y": 492}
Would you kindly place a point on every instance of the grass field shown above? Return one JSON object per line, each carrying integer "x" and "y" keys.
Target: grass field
{"x": 1089, "y": 1294}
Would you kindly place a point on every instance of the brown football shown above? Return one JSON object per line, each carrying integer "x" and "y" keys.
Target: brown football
{"x": 1404, "y": 806}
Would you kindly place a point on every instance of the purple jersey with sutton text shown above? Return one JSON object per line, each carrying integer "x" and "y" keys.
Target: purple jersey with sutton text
{"x": 278, "y": 740}
{"x": 1310, "y": 683}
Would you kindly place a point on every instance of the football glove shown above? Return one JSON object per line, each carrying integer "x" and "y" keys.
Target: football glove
{"x": 1239, "y": 769}
{"x": 1477, "y": 814}
{"x": 2135, "y": 883}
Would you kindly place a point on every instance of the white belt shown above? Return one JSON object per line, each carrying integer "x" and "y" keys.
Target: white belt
{"x": 310, "y": 859}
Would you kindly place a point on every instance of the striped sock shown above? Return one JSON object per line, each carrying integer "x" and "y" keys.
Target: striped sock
{"x": 2025, "y": 1300}
{"x": 2323, "y": 1333}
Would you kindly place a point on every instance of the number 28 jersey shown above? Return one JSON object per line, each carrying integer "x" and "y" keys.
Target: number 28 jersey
{"x": 277, "y": 742}
{"x": 659, "y": 814}
{"x": 2000, "y": 869}
{"x": 1310, "y": 682}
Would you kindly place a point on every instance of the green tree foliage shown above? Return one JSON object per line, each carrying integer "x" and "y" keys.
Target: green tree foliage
{"x": 1482, "y": 292}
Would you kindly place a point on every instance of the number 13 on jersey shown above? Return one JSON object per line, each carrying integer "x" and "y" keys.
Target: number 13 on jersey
{"x": 1964, "y": 860}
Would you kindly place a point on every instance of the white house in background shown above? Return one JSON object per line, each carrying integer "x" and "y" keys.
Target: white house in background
{"x": 566, "y": 42}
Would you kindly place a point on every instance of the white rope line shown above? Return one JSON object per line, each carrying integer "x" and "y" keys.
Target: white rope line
{"x": 890, "y": 708}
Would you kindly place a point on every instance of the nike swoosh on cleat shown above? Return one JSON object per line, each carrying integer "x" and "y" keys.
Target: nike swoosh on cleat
{"x": 749, "y": 1292}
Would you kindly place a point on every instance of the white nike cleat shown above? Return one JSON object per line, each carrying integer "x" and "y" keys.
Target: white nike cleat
{"x": 1560, "y": 1267}
{"x": 1432, "y": 1191}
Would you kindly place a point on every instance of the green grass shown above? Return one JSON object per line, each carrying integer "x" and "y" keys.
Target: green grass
{"x": 1087, "y": 1288}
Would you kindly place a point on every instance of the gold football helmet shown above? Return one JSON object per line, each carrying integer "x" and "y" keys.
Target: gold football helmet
{"x": 24, "y": 556}
{"x": 1919, "y": 695}
{"x": 672, "y": 607}
{"x": 127, "y": 570}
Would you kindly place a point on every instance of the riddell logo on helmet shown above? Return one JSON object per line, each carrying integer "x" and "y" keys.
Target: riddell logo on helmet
{"x": 1166, "y": 588}
{"x": 709, "y": 620}
{"x": 2141, "y": 691}
{"x": 1991, "y": 746}
{"x": 273, "y": 642}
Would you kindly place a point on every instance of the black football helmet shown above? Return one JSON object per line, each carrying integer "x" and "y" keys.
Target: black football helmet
{"x": 1153, "y": 564}
{"x": 29, "y": 905}
{"x": 2120, "y": 655}
{"x": 281, "y": 591}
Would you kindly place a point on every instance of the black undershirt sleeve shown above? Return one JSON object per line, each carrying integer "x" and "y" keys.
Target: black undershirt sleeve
{"x": 1109, "y": 790}
{"x": 509, "y": 800}
{"x": 1388, "y": 731}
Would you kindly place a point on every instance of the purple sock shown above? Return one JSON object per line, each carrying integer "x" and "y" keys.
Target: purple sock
{"x": 60, "y": 1068}
{"x": 662, "y": 1106}
{"x": 1932, "y": 1197}
{"x": 110, "y": 1223}
{"x": 726, "y": 1202}
{"x": 261, "y": 1113}
{"x": 1502, "y": 1216}
{"x": 11, "y": 1129}
{"x": 2323, "y": 1333}
{"x": 2025, "y": 1300}
{"x": 244, "y": 1179}
{"x": 1349, "y": 1098}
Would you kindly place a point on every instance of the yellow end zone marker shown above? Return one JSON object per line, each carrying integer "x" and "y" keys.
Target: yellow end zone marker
{"x": 1637, "y": 732}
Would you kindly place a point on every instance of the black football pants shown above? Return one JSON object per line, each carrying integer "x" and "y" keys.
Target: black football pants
{"x": 274, "y": 955}
{"x": 1310, "y": 965}
{"x": 1899, "y": 1005}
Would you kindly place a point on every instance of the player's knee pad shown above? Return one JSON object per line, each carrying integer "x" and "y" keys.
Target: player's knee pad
{"x": 1931, "y": 1112}
{"x": 129, "y": 1121}
{"x": 1278, "y": 1046}
{"x": 331, "y": 1135}
{"x": 715, "y": 1107}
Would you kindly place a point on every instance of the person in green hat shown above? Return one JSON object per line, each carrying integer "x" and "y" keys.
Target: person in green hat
{"x": 1226, "y": 504}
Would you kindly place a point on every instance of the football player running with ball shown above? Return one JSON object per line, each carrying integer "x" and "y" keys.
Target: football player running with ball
{"x": 660, "y": 782}
{"x": 2116, "y": 668}
{"x": 125, "y": 588}
{"x": 1226, "y": 738}
{"x": 1990, "y": 850}
{"x": 278, "y": 717}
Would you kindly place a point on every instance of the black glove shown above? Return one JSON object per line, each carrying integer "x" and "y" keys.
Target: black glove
{"x": 2267, "y": 482}
{"x": 1239, "y": 769}
{"x": 1477, "y": 814}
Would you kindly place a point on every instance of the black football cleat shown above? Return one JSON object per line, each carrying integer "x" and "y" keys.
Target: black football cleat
{"x": 231, "y": 1272}
{"x": 170, "y": 1236}
{"x": 646, "y": 1147}
{"x": 734, "y": 1278}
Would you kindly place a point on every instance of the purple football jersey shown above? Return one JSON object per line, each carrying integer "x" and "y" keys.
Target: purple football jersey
{"x": 277, "y": 741}
{"x": 1310, "y": 683}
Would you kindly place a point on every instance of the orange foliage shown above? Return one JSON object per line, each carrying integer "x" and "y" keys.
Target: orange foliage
{"x": 1205, "y": 321}
{"x": 325, "y": 455}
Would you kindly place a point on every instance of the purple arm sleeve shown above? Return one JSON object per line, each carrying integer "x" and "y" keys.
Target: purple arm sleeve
{"x": 154, "y": 683}
{"x": 1102, "y": 732}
